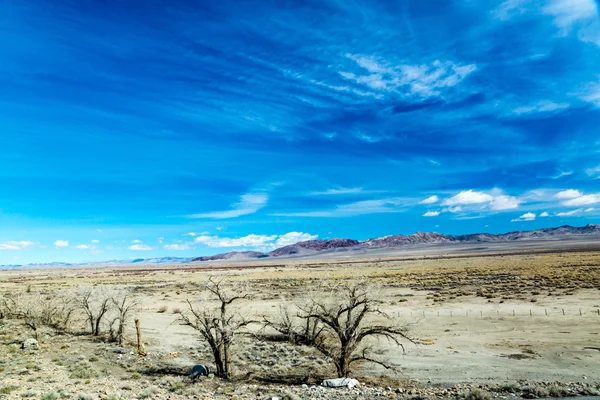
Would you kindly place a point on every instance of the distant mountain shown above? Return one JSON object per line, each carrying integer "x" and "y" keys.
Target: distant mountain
{"x": 561, "y": 232}
{"x": 311, "y": 246}
{"x": 314, "y": 246}
{"x": 232, "y": 255}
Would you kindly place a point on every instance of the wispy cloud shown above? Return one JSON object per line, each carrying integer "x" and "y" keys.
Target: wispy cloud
{"x": 140, "y": 247}
{"x": 431, "y": 214}
{"x": 430, "y": 200}
{"x": 176, "y": 247}
{"x": 568, "y": 213}
{"x": 541, "y": 107}
{"x": 340, "y": 191}
{"x": 248, "y": 204}
{"x": 365, "y": 207}
{"x": 421, "y": 80}
{"x": 583, "y": 200}
{"x": 576, "y": 16}
{"x": 17, "y": 245}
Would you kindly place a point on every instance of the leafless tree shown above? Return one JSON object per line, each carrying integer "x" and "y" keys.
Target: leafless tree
{"x": 217, "y": 324}
{"x": 28, "y": 308}
{"x": 95, "y": 303}
{"x": 337, "y": 321}
{"x": 124, "y": 304}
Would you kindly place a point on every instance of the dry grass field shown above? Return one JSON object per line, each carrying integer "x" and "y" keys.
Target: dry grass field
{"x": 493, "y": 320}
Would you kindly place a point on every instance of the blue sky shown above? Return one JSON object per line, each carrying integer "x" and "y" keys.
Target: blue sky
{"x": 152, "y": 128}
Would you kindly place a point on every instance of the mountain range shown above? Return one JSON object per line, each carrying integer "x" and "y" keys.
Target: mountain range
{"x": 315, "y": 246}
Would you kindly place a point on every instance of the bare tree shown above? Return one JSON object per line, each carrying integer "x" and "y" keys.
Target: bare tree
{"x": 29, "y": 308}
{"x": 124, "y": 304}
{"x": 337, "y": 323}
{"x": 218, "y": 324}
{"x": 95, "y": 303}
{"x": 55, "y": 310}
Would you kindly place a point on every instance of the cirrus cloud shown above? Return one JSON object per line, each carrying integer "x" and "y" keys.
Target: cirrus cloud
{"x": 17, "y": 245}
{"x": 140, "y": 247}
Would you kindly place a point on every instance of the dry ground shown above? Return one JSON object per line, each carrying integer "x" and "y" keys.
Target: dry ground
{"x": 484, "y": 319}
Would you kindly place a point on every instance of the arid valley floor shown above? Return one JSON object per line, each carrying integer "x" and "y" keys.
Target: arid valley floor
{"x": 516, "y": 323}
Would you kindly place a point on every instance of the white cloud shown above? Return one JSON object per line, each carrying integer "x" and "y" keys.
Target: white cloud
{"x": 83, "y": 247}
{"x": 568, "y": 213}
{"x": 431, "y": 214}
{"x": 561, "y": 174}
{"x": 364, "y": 207}
{"x": 136, "y": 241}
{"x": 589, "y": 209}
{"x": 194, "y": 234}
{"x": 251, "y": 240}
{"x": 540, "y": 107}
{"x": 591, "y": 93}
{"x": 161, "y": 240}
{"x": 293, "y": 237}
{"x": 468, "y": 197}
{"x": 17, "y": 245}
{"x": 262, "y": 242}
{"x": 509, "y": 9}
{"x": 248, "y": 204}
{"x": 593, "y": 171}
{"x": 328, "y": 192}
{"x": 495, "y": 200}
{"x": 576, "y": 16}
{"x": 568, "y": 194}
{"x": 544, "y": 214}
{"x": 140, "y": 247}
{"x": 176, "y": 247}
{"x": 422, "y": 80}
{"x": 525, "y": 217}
{"x": 583, "y": 200}
{"x": 95, "y": 241}
{"x": 430, "y": 200}
{"x": 503, "y": 202}
{"x": 61, "y": 243}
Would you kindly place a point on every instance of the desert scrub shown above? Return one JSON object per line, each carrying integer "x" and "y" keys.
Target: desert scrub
{"x": 534, "y": 392}
{"x": 82, "y": 372}
{"x": 53, "y": 395}
{"x": 177, "y": 386}
{"x": 8, "y": 389}
{"x": 558, "y": 391}
{"x": 28, "y": 395}
{"x": 476, "y": 394}
{"x": 84, "y": 396}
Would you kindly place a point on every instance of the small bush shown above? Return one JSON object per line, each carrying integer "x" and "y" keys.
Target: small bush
{"x": 8, "y": 389}
{"x": 162, "y": 309}
{"x": 534, "y": 392}
{"x": 177, "y": 311}
{"x": 558, "y": 391}
{"x": 53, "y": 395}
{"x": 476, "y": 394}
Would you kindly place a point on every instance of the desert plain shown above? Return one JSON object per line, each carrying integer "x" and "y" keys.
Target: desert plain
{"x": 514, "y": 323}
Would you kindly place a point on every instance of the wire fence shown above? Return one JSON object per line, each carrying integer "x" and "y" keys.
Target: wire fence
{"x": 505, "y": 312}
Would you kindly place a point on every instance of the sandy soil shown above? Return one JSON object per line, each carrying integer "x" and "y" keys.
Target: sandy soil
{"x": 478, "y": 319}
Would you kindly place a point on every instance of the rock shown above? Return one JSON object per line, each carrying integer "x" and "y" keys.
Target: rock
{"x": 119, "y": 350}
{"x": 340, "y": 382}
{"x": 30, "y": 344}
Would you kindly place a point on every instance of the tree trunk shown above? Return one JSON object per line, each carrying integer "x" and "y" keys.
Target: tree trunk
{"x": 219, "y": 363}
{"x": 226, "y": 363}
{"x": 140, "y": 345}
